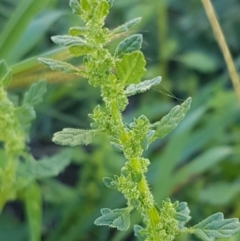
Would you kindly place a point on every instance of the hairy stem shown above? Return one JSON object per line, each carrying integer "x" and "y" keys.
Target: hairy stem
{"x": 148, "y": 205}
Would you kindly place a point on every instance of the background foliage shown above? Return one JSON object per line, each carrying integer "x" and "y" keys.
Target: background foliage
{"x": 198, "y": 163}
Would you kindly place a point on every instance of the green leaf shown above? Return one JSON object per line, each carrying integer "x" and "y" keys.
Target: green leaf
{"x": 75, "y": 31}
{"x": 25, "y": 11}
{"x": 59, "y": 65}
{"x": 101, "y": 11}
{"x": 5, "y": 73}
{"x": 117, "y": 218}
{"x": 182, "y": 214}
{"x": 116, "y": 146}
{"x": 68, "y": 40}
{"x": 126, "y": 26}
{"x": 86, "y": 6}
{"x": 46, "y": 167}
{"x": 213, "y": 193}
{"x": 33, "y": 35}
{"x": 109, "y": 183}
{"x": 142, "y": 87}
{"x": 56, "y": 192}
{"x": 79, "y": 50}
{"x": 201, "y": 163}
{"x": 33, "y": 205}
{"x": 137, "y": 232}
{"x": 35, "y": 93}
{"x": 131, "y": 68}
{"x": 130, "y": 44}
{"x": 73, "y": 137}
{"x": 199, "y": 61}
{"x": 25, "y": 114}
{"x": 170, "y": 121}
{"x": 215, "y": 227}
{"x": 75, "y": 6}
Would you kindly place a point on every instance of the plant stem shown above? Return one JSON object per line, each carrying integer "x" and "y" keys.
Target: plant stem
{"x": 148, "y": 204}
{"x": 223, "y": 45}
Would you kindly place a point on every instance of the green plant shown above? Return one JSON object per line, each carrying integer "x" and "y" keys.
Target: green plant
{"x": 18, "y": 169}
{"x": 118, "y": 75}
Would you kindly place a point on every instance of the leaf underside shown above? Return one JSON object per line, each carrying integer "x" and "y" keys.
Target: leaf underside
{"x": 73, "y": 137}
{"x": 117, "y": 218}
{"x": 215, "y": 227}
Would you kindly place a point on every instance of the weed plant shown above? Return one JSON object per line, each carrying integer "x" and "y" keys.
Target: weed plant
{"x": 118, "y": 75}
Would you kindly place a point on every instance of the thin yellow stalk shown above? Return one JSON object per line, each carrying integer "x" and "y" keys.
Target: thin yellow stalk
{"x": 223, "y": 45}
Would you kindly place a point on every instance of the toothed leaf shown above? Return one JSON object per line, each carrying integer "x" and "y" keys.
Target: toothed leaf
{"x": 117, "y": 218}
{"x": 215, "y": 227}
{"x": 142, "y": 87}
{"x": 131, "y": 68}
{"x": 130, "y": 44}
{"x": 73, "y": 137}
{"x": 182, "y": 214}
{"x": 59, "y": 65}
{"x": 109, "y": 182}
{"x": 170, "y": 121}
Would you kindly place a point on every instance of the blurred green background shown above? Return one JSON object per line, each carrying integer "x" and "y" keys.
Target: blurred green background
{"x": 199, "y": 162}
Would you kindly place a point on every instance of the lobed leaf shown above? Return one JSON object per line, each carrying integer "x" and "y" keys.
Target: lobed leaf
{"x": 182, "y": 214}
{"x": 5, "y": 73}
{"x": 131, "y": 68}
{"x": 73, "y": 137}
{"x": 126, "y": 26}
{"x": 46, "y": 167}
{"x": 215, "y": 226}
{"x": 75, "y": 6}
{"x": 130, "y": 44}
{"x": 142, "y": 87}
{"x": 117, "y": 218}
{"x": 35, "y": 93}
{"x": 68, "y": 40}
{"x": 170, "y": 121}
{"x": 109, "y": 183}
{"x": 59, "y": 65}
